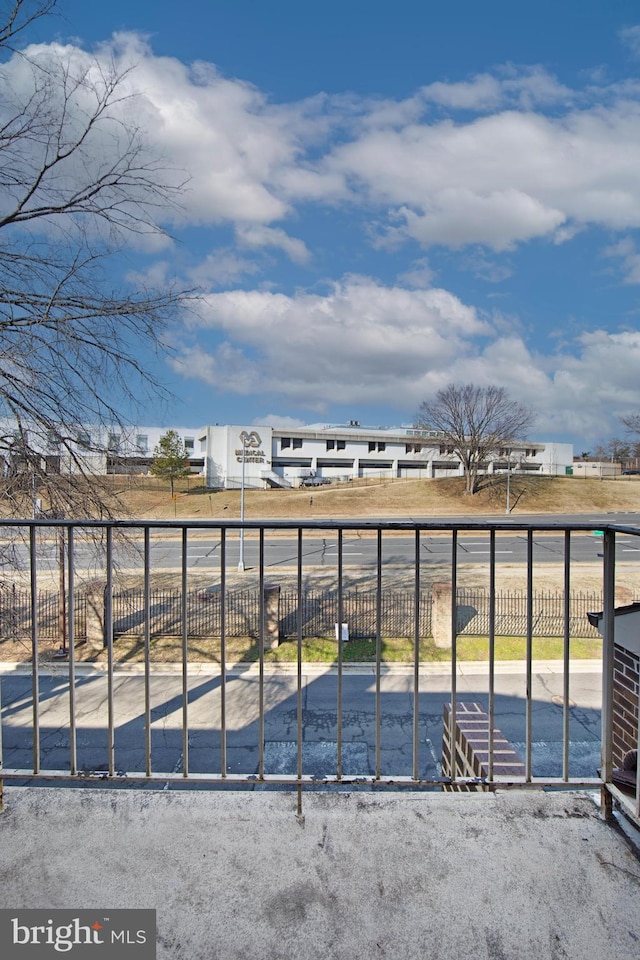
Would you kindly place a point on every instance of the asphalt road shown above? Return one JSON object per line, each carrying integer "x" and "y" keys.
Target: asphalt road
{"x": 319, "y": 700}
{"x": 322, "y": 552}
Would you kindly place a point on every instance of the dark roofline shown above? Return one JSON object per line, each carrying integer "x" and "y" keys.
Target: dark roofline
{"x": 595, "y": 618}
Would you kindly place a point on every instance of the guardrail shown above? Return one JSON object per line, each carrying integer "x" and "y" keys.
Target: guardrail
{"x": 91, "y": 744}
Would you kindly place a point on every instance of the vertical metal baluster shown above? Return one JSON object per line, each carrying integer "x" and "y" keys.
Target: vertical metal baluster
{"x": 71, "y": 635}
{"x": 529, "y": 702}
{"x": 261, "y": 641}
{"x": 185, "y": 661}
{"x": 454, "y": 652}
{"x": 299, "y": 677}
{"x": 340, "y": 617}
{"x": 637, "y": 775}
{"x": 35, "y": 666}
{"x": 492, "y": 648}
{"x": 108, "y": 622}
{"x": 566, "y": 676}
{"x": 223, "y": 652}
{"x": 147, "y": 652}
{"x": 1, "y": 752}
{"x": 416, "y": 662}
{"x": 378, "y": 648}
{"x": 608, "y": 637}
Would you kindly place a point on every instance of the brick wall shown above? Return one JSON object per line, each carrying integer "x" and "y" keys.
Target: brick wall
{"x": 626, "y": 688}
{"x": 471, "y": 750}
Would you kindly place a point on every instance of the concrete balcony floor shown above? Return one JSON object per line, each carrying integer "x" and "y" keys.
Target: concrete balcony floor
{"x": 235, "y": 875}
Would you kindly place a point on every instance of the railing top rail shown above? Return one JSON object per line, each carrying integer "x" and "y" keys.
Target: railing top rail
{"x": 445, "y": 524}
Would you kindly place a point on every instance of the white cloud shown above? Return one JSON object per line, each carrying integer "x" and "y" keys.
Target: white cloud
{"x": 220, "y": 268}
{"x": 630, "y": 259}
{"x": 500, "y": 179}
{"x": 261, "y": 236}
{"x": 493, "y": 271}
{"x": 630, "y": 37}
{"x": 484, "y": 92}
{"x": 363, "y": 343}
{"x": 419, "y": 274}
{"x": 276, "y": 420}
{"x": 523, "y": 87}
{"x": 458, "y": 216}
{"x": 361, "y": 340}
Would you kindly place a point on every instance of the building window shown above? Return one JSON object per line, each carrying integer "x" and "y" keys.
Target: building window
{"x": 83, "y": 439}
{"x": 342, "y": 444}
{"x": 53, "y": 440}
{"x": 381, "y": 447}
{"x": 188, "y": 445}
{"x": 285, "y": 443}
{"x": 372, "y": 446}
{"x": 297, "y": 443}
{"x": 331, "y": 444}
{"x": 113, "y": 443}
{"x": 142, "y": 443}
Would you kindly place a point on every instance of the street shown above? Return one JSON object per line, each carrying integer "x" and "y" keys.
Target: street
{"x": 204, "y": 553}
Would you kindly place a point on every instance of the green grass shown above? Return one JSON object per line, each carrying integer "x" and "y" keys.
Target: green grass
{"x": 515, "y": 648}
{"x": 322, "y": 650}
{"x": 319, "y": 650}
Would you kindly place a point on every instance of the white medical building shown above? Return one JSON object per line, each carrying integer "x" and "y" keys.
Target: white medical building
{"x": 279, "y": 456}
{"x": 285, "y": 456}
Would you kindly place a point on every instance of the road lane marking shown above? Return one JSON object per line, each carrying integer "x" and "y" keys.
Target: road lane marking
{"x": 345, "y": 553}
{"x": 487, "y": 551}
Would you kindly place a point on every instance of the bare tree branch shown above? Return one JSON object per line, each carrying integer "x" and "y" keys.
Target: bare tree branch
{"x": 17, "y": 15}
{"x": 76, "y": 178}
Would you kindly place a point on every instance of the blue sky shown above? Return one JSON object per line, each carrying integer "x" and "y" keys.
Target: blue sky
{"x": 388, "y": 197}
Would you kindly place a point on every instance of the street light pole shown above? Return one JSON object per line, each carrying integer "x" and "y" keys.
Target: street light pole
{"x": 244, "y": 458}
{"x": 508, "y": 510}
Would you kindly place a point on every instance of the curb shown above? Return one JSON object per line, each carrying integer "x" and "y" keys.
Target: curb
{"x": 468, "y": 667}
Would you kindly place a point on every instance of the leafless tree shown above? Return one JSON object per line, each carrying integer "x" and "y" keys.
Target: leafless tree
{"x": 77, "y": 180}
{"x": 632, "y": 422}
{"x": 476, "y": 423}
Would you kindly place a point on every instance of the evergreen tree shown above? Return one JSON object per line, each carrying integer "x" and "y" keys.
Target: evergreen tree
{"x": 170, "y": 459}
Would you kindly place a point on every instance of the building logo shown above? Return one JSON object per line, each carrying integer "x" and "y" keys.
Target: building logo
{"x": 250, "y": 451}
{"x": 250, "y": 439}
{"x": 104, "y": 933}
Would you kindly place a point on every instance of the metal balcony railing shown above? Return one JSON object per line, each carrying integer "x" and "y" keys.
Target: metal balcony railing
{"x": 298, "y": 723}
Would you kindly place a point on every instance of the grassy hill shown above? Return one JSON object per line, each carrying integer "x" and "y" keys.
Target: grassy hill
{"x": 146, "y": 498}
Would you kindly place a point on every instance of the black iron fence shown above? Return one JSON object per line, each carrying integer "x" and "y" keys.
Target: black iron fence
{"x": 511, "y": 613}
{"x": 318, "y": 610}
{"x": 16, "y": 614}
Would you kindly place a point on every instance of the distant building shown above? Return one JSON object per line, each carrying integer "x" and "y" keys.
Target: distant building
{"x": 284, "y": 457}
{"x": 596, "y": 469}
{"x": 279, "y": 456}
{"x": 94, "y": 449}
